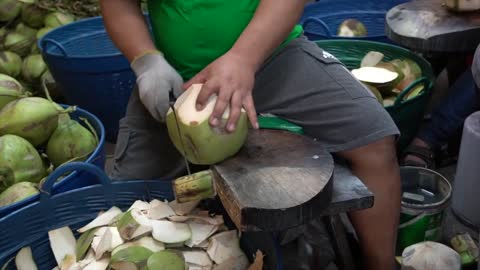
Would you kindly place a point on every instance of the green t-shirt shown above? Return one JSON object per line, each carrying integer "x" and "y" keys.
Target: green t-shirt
{"x": 193, "y": 33}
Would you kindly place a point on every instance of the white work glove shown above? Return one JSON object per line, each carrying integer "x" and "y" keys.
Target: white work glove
{"x": 155, "y": 78}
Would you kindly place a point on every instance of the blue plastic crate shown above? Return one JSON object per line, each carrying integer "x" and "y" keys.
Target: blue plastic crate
{"x": 29, "y": 226}
{"x": 75, "y": 179}
{"x": 90, "y": 70}
{"x": 321, "y": 19}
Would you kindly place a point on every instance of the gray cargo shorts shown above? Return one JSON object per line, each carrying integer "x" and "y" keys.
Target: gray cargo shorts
{"x": 301, "y": 83}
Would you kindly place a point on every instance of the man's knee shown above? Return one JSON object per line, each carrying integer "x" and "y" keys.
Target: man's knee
{"x": 380, "y": 153}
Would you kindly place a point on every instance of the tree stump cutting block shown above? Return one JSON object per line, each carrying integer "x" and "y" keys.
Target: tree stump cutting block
{"x": 278, "y": 180}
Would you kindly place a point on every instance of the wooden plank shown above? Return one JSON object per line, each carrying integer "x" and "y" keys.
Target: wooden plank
{"x": 278, "y": 180}
{"x": 428, "y": 26}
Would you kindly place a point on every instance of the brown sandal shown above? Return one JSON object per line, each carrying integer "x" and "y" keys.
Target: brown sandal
{"x": 424, "y": 153}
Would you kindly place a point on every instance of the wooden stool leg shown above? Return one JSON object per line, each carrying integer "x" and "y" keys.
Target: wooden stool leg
{"x": 340, "y": 243}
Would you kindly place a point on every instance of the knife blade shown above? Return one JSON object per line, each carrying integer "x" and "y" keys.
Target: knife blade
{"x": 171, "y": 103}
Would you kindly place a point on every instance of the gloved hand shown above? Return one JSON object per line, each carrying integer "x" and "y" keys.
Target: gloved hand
{"x": 155, "y": 78}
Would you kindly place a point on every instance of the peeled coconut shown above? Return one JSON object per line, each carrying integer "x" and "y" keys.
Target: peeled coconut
{"x": 56, "y": 19}
{"x": 33, "y": 15}
{"x": 18, "y": 43}
{"x": 352, "y": 28}
{"x": 32, "y": 118}
{"x": 463, "y": 5}
{"x": 411, "y": 71}
{"x": 19, "y": 161}
{"x": 10, "y": 90}
{"x": 70, "y": 141}
{"x": 33, "y": 67}
{"x": 375, "y": 76}
{"x": 371, "y": 59}
{"x": 9, "y": 9}
{"x": 18, "y": 192}
{"x": 430, "y": 255}
{"x": 203, "y": 143}
{"x": 390, "y": 87}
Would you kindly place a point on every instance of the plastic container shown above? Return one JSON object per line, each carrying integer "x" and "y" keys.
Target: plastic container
{"x": 425, "y": 196}
{"x": 89, "y": 70}
{"x": 75, "y": 179}
{"x": 321, "y": 19}
{"x": 407, "y": 113}
{"x": 29, "y": 226}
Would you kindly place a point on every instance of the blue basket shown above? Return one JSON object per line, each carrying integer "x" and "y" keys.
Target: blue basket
{"x": 89, "y": 70}
{"x": 321, "y": 19}
{"x": 29, "y": 226}
{"x": 75, "y": 179}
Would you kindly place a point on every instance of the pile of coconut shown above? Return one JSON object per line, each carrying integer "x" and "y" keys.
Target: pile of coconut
{"x": 148, "y": 236}
{"x": 37, "y": 135}
{"x": 386, "y": 79}
{"x": 22, "y": 24}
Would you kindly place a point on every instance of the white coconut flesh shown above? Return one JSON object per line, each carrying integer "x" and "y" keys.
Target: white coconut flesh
{"x": 371, "y": 59}
{"x": 170, "y": 232}
{"x": 224, "y": 246}
{"x": 105, "y": 240}
{"x": 140, "y": 206}
{"x": 24, "y": 259}
{"x": 182, "y": 209}
{"x": 146, "y": 242}
{"x": 200, "y": 233}
{"x": 185, "y": 107}
{"x": 103, "y": 219}
{"x": 63, "y": 245}
{"x": 160, "y": 210}
{"x": 374, "y": 75}
{"x": 197, "y": 259}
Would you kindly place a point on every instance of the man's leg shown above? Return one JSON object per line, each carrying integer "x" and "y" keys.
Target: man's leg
{"x": 309, "y": 87}
{"x": 144, "y": 150}
{"x": 376, "y": 165}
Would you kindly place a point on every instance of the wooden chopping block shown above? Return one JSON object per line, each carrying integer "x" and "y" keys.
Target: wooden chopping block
{"x": 278, "y": 180}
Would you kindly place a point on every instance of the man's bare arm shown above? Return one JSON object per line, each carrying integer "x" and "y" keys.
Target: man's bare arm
{"x": 270, "y": 26}
{"x": 126, "y": 26}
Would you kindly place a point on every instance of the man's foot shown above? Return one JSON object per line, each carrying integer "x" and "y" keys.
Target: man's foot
{"x": 419, "y": 154}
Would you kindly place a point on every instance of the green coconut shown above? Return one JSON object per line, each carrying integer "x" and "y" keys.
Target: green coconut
{"x": 34, "y": 49}
{"x": 18, "y": 43}
{"x": 33, "y": 118}
{"x": 200, "y": 142}
{"x": 17, "y": 192}
{"x": 56, "y": 19}
{"x": 41, "y": 32}
{"x": 19, "y": 161}
{"x": 28, "y": 31}
{"x": 375, "y": 92}
{"x": 33, "y": 15}
{"x": 166, "y": 260}
{"x": 10, "y": 63}
{"x": 388, "y": 90}
{"x": 10, "y": 90}
{"x": 9, "y": 9}
{"x": 352, "y": 28}
{"x": 70, "y": 141}
{"x": 33, "y": 68}
{"x": 411, "y": 71}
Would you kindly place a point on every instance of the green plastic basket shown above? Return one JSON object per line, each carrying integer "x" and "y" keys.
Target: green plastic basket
{"x": 407, "y": 114}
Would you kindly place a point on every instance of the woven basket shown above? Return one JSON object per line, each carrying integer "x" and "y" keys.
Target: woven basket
{"x": 407, "y": 114}
{"x": 29, "y": 226}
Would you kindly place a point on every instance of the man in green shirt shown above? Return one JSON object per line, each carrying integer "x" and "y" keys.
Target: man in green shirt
{"x": 251, "y": 54}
